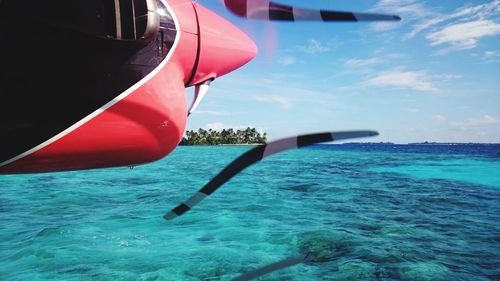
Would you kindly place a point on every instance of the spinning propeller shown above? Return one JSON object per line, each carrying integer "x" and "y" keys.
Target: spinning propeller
{"x": 257, "y": 154}
{"x": 268, "y": 10}
{"x": 271, "y": 11}
{"x": 249, "y": 158}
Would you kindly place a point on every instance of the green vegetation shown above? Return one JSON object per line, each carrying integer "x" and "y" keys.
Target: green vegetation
{"x": 226, "y": 136}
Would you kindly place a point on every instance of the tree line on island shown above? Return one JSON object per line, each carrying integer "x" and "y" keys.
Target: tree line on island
{"x": 225, "y": 136}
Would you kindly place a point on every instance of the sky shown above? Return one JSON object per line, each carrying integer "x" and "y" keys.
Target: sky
{"x": 434, "y": 76}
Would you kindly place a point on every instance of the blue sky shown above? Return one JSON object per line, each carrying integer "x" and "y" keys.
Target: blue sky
{"x": 434, "y": 76}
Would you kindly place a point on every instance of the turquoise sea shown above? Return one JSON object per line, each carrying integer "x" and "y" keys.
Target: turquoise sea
{"x": 363, "y": 212}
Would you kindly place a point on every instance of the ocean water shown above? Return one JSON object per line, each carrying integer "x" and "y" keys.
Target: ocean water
{"x": 363, "y": 212}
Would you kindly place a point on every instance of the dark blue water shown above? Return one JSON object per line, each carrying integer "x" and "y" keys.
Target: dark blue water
{"x": 364, "y": 212}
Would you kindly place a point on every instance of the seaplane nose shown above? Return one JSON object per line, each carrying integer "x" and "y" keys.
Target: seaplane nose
{"x": 222, "y": 46}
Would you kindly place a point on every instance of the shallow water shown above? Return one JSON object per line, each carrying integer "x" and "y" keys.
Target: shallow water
{"x": 364, "y": 212}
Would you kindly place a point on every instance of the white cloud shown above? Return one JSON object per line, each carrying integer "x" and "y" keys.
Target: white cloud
{"x": 412, "y": 8}
{"x": 314, "y": 47}
{"x": 460, "y": 29}
{"x": 218, "y": 126}
{"x": 491, "y": 54}
{"x": 439, "y": 118}
{"x": 359, "y": 63}
{"x": 283, "y": 90}
{"x": 415, "y": 80}
{"x": 280, "y": 100}
{"x": 212, "y": 112}
{"x": 409, "y": 10}
{"x": 412, "y": 110}
{"x": 447, "y": 77}
{"x": 383, "y": 26}
{"x": 475, "y": 122}
{"x": 288, "y": 60}
{"x": 477, "y": 12}
{"x": 463, "y": 36}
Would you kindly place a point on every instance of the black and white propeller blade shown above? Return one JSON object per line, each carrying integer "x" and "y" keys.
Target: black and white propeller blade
{"x": 255, "y": 155}
{"x": 268, "y": 10}
{"x": 271, "y": 268}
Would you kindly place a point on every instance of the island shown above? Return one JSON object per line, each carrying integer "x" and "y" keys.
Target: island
{"x": 248, "y": 136}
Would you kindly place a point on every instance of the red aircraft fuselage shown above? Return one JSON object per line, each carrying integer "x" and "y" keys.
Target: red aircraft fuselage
{"x": 104, "y": 85}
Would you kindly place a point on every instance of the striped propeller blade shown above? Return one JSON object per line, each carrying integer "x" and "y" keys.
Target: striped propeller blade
{"x": 272, "y": 267}
{"x": 268, "y": 10}
{"x": 255, "y": 155}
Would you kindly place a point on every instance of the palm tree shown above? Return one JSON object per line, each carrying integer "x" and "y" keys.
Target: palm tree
{"x": 229, "y": 136}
